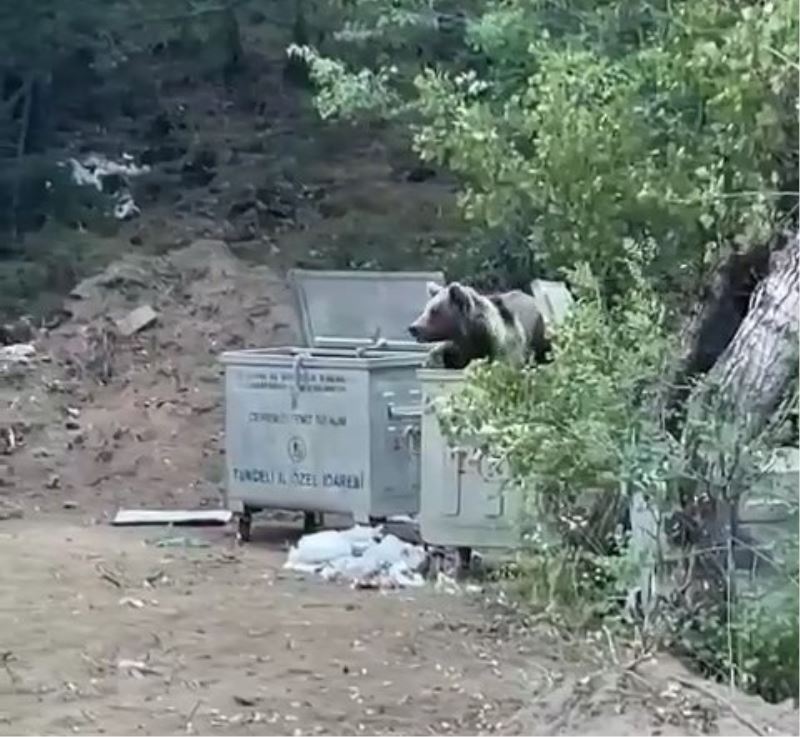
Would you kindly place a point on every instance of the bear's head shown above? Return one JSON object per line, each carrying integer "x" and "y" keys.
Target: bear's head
{"x": 444, "y": 316}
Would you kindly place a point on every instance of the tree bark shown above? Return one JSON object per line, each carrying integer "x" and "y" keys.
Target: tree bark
{"x": 738, "y": 363}
{"x": 736, "y": 400}
{"x": 712, "y": 325}
{"x": 757, "y": 368}
{"x": 22, "y": 144}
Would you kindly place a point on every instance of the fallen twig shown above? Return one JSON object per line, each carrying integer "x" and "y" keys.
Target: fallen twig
{"x": 640, "y": 658}
{"x": 189, "y": 726}
{"x": 6, "y": 658}
{"x": 611, "y": 647}
{"x": 106, "y": 575}
{"x": 722, "y": 701}
{"x": 137, "y": 666}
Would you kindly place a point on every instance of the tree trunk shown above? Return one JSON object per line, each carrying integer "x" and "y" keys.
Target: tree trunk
{"x": 712, "y": 325}
{"x": 756, "y": 370}
{"x": 726, "y": 412}
{"x": 747, "y": 367}
{"x": 232, "y": 41}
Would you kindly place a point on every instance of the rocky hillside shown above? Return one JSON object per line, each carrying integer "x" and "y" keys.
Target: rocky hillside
{"x": 121, "y": 403}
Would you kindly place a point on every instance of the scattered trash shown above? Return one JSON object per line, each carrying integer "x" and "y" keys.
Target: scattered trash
{"x": 131, "y": 602}
{"x": 246, "y": 700}
{"x": 9, "y": 511}
{"x": 403, "y": 518}
{"x": 364, "y": 556}
{"x": 155, "y": 578}
{"x": 136, "y": 320}
{"x": 172, "y": 517}
{"x": 138, "y": 668}
{"x": 8, "y": 440}
{"x": 107, "y": 575}
{"x": 446, "y": 584}
{"x": 180, "y": 542}
{"x": 94, "y": 170}
{"x": 320, "y": 548}
{"x": 17, "y": 353}
{"x": 405, "y": 527}
{"x": 18, "y": 331}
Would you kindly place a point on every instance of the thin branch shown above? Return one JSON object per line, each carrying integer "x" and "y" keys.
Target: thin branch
{"x": 191, "y": 14}
{"x": 9, "y": 104}
{"x": 785, "y": 59}
{"x": 22, "y": 142}
{"x": 733, "y": 196}
{"x": 746, "y": 721}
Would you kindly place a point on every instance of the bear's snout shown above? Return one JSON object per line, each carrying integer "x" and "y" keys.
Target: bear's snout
{"x": 414, "y": 330}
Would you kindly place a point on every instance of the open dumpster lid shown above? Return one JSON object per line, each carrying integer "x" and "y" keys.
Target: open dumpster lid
{"x": 553, "y": 300}
{"x": 341, "y": 309}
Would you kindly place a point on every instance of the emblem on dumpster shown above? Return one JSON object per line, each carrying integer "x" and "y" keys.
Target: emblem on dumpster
{"x": 490, "y": 469}
{"x": 297, "y": 449}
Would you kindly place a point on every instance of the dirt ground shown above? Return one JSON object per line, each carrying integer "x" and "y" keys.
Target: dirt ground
{"x": 105, "y": 632}
{"x": 113, "y": 631}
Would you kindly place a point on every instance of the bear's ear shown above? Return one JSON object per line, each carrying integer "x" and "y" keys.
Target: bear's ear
{"x": 433, "y": 288}
{"x": 458, "y": 295}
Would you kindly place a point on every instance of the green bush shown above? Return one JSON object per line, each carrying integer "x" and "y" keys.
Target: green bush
{"x": 767, "y": 644}
{"x": 584, "y": 125}
{"x": 563, "y": 427}
{"x": 754, "y": 644}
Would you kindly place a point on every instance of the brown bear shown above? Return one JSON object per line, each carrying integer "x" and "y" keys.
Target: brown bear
{"x": 468, "y": 325}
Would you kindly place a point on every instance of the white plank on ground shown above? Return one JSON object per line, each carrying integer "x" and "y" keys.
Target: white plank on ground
{"x": 172, "y": 517}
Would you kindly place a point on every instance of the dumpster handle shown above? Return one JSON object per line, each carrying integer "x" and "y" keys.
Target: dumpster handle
{"x": 411, "y": 431}
{"x": 397, "y": 412}
{"x": 297, "y": 364}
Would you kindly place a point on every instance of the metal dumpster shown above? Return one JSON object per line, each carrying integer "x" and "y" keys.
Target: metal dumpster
{"x": 768, "y": 518}
{"x": 332, "y": 427}
{"x": 466, "y": 500}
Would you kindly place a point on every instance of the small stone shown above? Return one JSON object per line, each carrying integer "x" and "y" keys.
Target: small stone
{"x": 246, "y": 700}
{"x": 137, "y": 320}
{"x": 131, "y": 602}
{"x": 54, "y": 482}
{"x": 9, "y": 511}
{"x": 69, "y": 504}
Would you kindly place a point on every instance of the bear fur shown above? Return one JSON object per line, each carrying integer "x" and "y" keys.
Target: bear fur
{"x": 468, "y": 325}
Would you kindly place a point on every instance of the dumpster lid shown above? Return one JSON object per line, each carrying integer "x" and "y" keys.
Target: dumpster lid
{"x": 553, "y": 299}
{"x": 340, "y": 309}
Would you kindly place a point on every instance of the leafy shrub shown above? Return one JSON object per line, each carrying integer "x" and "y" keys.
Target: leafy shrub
{"x": 562, "y": 427}
{"x": 754, "y": 643}
{"x": 586, "y": 124}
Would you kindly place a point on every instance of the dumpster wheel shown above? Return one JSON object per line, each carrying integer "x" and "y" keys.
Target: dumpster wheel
{"x": 464, "y": 565}
{"x": 312, "y": 521}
